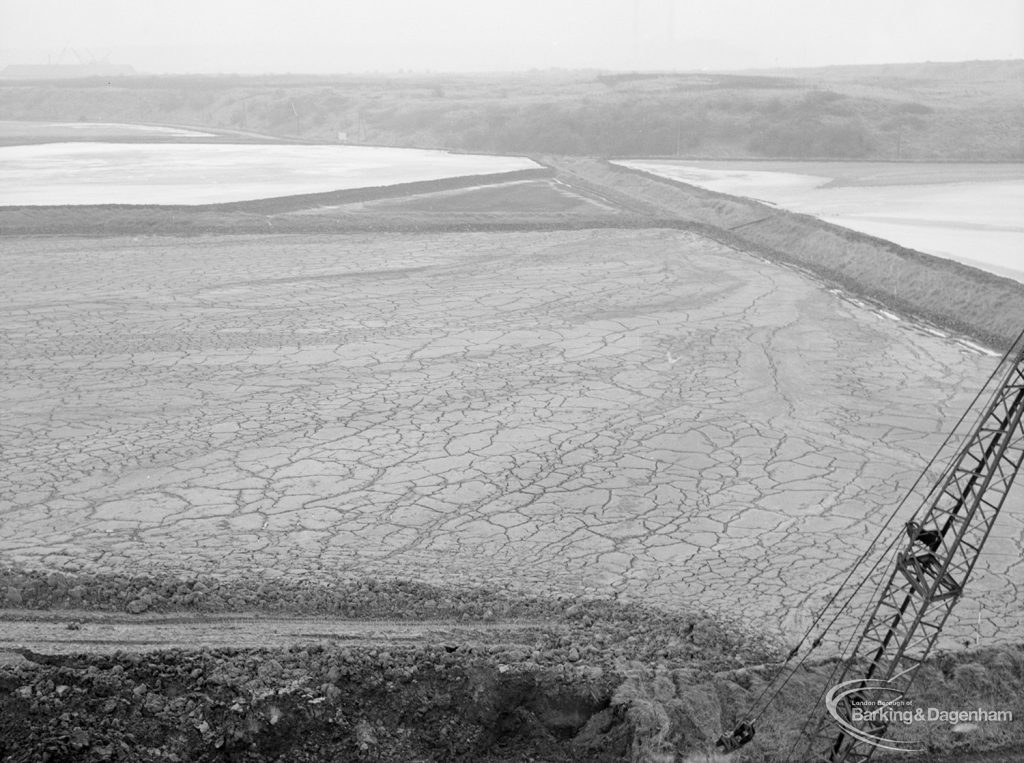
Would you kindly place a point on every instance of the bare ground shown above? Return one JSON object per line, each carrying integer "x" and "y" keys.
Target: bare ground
{"x": 290, "y": 666}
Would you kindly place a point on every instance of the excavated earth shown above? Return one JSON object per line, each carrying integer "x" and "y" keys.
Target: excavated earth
{"x": 374, "y": 671}
{"x": 306, "y": 704}
{"x": 361, "y": 673}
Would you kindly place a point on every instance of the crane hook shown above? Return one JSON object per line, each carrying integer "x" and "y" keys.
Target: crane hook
{"x": 740, "y": 736}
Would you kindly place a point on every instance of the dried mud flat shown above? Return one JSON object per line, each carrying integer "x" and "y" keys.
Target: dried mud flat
{"x": 642, "y": 415}
{"x": 578, "y": 437}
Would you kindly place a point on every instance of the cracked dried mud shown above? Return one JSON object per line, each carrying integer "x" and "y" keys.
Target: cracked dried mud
{"x": 643, "y": 415}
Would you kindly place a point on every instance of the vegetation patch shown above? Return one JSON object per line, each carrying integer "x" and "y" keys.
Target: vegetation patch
{"x": 913, "y": 112}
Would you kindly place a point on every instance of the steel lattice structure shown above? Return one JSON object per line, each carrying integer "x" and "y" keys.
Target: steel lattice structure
{"x": 929, "y": 574}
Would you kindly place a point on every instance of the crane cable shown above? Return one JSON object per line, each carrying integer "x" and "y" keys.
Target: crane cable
{"x": 751, "y": 717}
{"x": 836, "y": 668}
{"x": 842, "y": 608}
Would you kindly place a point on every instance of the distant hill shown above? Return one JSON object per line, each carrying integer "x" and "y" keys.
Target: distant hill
{"x": 65, "y": 71}
{"x": 1010, "y": 71}
{"x": 968, "y": 111}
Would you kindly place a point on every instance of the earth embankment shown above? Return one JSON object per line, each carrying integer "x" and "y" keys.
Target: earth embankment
{"x": 952, "y": 296}
{"x": 946, "y": 293}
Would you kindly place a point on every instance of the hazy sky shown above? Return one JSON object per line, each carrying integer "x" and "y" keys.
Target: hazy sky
{"x": 486, "y": 35}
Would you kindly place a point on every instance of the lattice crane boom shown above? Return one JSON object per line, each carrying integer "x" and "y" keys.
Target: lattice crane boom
{"x": 929, "y": 574}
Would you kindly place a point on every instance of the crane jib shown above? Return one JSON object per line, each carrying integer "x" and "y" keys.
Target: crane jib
{"x": 928, "y": 575}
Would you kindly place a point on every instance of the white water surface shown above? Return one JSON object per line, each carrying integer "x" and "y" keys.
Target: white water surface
{"x": 206, "y": 173}
{"x": 972, "y": 213}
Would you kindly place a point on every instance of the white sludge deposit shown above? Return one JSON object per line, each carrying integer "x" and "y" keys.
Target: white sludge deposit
{"x": 209, "y": 173}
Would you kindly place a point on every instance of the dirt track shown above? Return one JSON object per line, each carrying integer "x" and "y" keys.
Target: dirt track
{"x": 89, "y": 632}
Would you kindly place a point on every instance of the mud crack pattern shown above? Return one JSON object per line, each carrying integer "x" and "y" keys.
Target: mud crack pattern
{"x": 640, "y": 414}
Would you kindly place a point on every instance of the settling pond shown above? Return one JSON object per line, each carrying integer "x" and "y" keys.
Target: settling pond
{"x": 210, "y": 173}
{"x": 972, "y": 213}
